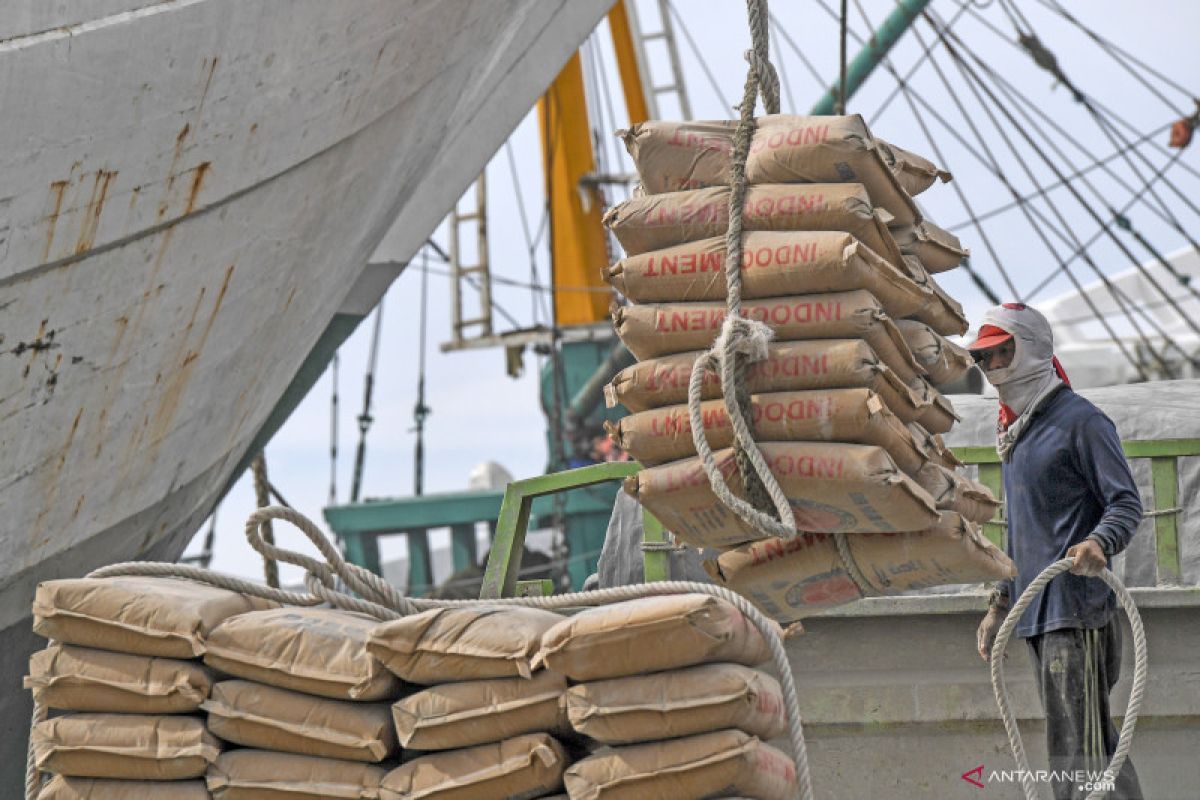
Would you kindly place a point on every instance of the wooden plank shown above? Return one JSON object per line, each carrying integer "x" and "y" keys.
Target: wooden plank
{"x": 654, "y": 562}
{"x": 1164, "y": 475}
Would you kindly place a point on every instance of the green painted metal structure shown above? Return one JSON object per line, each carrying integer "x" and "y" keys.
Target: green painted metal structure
{"x": 876, "y": 49}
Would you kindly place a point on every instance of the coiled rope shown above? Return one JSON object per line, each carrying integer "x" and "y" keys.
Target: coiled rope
{"x": 381, "y": 600}
{"x": 742, "y": 341}
{"x": 1135, "y": 694}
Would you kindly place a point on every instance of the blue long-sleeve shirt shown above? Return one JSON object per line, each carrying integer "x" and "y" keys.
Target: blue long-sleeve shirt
{"x": 1067, "y": 479}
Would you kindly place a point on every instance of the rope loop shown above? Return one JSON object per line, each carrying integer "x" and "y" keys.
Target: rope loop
{"x": 767, "y": 79}
{"x": 1136, "y": 693}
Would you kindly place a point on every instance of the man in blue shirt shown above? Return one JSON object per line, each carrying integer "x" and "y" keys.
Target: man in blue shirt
{"x": 1069, "y": 494}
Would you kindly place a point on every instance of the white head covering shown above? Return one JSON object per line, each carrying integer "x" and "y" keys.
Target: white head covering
{"x": 1033, "y": 374}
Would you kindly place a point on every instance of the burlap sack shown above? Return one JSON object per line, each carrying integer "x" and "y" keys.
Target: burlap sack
{"x": 651, "y": 634}
{"x": 658, "y": 223}
{"x": 793, "y": 579}
{"x": 443, "y": 645}
{"x": 477, "y": 712}
{"x": 935, "y": 446}
{"x": 147, "y": 616}
{"x": 789, "y": 366}
{"x": 321, "y": 651}
{"x": 61, "y": 787}
{"x": 125, "y": 746}
{"x": 655, "y": 330}
{"x": 832, "y": 487}
{"x": 821, "y": 415}
{"x": 83, "y": 679}
{"x": 671, "y": 156}
{"x": 666, "y": 705}
{"x": 938, "y": 249}
{"x": 914, "y": 173}
{"x": 729, "y": 762}
{"x": 263, "y": 775}
{"x": 775, "y": 264}
{"x": 522, "y": 767}
{"x": 943, "y": 360}
{"x": 937, "y": 414}
{"x": 255, "y": 715}
{"x": 955, "y": 492}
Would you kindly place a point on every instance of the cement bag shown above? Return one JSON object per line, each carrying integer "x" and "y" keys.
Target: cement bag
{"x": 82, "y": 679}
{"x": 255, "y": 715}
{"x": 728, "y": 762}
{"x": 942, "y": 312}
{"x": 523, "y": 767}
{"x": 443, "y": 645}
{"x": 262, "y": 775}
{"x": 943, "y": 360}
{"x": 651, "y": 634}
{"x": 671, "y": 156}
{"x": 820, "y": 415}
{"x": 954, "y": 492}
{"x": 652, "y": 223}
{"x": 61, "y": 787}
{"x": 937, "y": 414}
{"x": 321, "y": 651}
{"x": 937, "y": 249}
{"x": 914, "y": 173}
{"x": 477, "y": 712}
{"x": 127, "y": 746}
{"x": 935, "y": 446}
{"x": 655, "y": 330}
{"x": 832, "y": 487}
{"x": 789, "y": 366}
{"x": 146, "y": 616}
{"x": 793, "y": 579}
{"x": 775, "y": 264}
{"x": 666, "y": 705}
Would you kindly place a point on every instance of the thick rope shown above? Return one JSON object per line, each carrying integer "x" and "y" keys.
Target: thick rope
{"x": 852, "y": 569}
{"x": 1135, "y": 694}
{"x": 742, "y": 341}
{"x": 392, "y": 605}
{"x": 262, "y": 497}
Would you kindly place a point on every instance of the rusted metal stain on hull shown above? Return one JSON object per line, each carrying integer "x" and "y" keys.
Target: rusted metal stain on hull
{"x": 56, "y": 200}
{"x": 50, "y": 482}
{"x": 188, "y": 355}
{"x": 93, "y": 210}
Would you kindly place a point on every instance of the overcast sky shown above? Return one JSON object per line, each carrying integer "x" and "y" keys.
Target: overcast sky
{"x": 479, "y": 413}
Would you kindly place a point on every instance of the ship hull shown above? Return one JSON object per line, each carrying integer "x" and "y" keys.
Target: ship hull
{"x": 191, "y": 192}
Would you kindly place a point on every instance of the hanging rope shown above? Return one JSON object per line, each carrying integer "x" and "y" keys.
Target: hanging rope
{"x": 1135, "y": 694}
{"x": 742, "y": 341}
{"x": 840, "y": 107}
{"x": 333, "y": 432}
{"x": 420, "y": 410}
{"x": 262, "y": 497}
{"x": 379, "y": 599}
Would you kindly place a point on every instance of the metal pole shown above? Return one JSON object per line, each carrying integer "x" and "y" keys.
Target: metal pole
{"x": 870, "y": 56}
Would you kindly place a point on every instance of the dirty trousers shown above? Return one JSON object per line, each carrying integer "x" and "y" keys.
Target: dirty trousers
{"x": 1076, "y": 670}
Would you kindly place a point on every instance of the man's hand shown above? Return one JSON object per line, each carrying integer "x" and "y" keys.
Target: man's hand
{"x": 1089, "y": 558}
{"x": 985, "y": 637}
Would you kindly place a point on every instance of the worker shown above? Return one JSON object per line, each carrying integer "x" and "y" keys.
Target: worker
{"x": 1069, "y": 494}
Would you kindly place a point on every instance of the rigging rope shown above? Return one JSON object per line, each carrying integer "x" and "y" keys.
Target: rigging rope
{"x": 262, "y": 498}
{"x": 421, "y": 411}
{"x": 1136, "y": 693}
{"x": 840, "y": 108}
{"x": 364, "y": 418}
{"x": 333, "y": 432}
{"x": 742, "y": 341}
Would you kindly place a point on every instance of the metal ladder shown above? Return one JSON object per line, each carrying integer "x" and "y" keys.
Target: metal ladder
{"x": 477, "y": 274}
{"x": 674, "y": 83}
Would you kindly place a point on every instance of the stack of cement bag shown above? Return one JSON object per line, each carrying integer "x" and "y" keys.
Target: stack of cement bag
{"x": 123, "y": 681}
{"x": 487, "y": 722}
{"x": 308, "y": 706}
{"x": 668, "y": 684}
{"x": 838, "y": 262}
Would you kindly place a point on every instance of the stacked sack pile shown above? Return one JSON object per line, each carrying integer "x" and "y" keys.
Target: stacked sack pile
{"x": 667, "y": 683}
{"x": 838, "y": 262}
{"x": 125, "y": 683}
{"x": 485, "y": 722}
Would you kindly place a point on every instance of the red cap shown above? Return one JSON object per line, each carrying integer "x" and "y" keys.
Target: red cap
{"x": 989, "y": 336}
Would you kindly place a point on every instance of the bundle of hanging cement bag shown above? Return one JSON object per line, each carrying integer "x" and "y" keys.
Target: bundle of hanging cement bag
{"x": 839, "y": 263}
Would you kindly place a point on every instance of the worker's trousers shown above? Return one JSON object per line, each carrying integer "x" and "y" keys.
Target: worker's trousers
{"x": 1076, "y": 670}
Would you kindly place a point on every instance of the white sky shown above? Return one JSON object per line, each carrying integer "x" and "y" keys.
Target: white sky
{"x": 479, "y": 413}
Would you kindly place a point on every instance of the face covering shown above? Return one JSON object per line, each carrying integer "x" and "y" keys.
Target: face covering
{"x": 1031, "y": 377}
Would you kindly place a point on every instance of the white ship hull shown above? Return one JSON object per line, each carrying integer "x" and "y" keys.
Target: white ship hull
{"x": 189, "y": 194}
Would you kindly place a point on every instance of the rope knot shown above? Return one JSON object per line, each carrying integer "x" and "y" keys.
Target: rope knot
{"x": 747, "y": 337}
{"x": 767, "y": 79}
